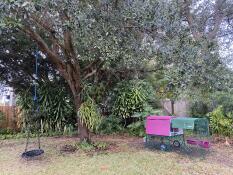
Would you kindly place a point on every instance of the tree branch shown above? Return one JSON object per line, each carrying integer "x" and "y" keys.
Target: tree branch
{"x": 48, "y": 29}
{"x": 95, "y": 66}
{"x": 218, "y": 17}
{"x": 68, "y": 43}
{"x": 54, "y": 58}
{"x": 197, "y": 35}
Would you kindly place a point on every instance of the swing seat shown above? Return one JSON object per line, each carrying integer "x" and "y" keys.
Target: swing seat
{"x": 32, "y": 153}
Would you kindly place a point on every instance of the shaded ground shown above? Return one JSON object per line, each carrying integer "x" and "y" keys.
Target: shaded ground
{"x": 125, "y": 156}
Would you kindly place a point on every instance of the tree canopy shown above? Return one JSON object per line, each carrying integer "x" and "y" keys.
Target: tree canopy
{"x": 88, "y": 41}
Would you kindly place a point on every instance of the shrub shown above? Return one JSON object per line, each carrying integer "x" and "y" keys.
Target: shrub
{"x": 225, "y": 100}
{"x": 138, "y": 128}
{"x": 221, "y": 123}
{"x": 7, "y": 131}
{"x": 89, "y": 114}
{"x": 101, "y": 145}
{"x": 85, "y": 146}
{"x": 110, "y": 125}
{"x": 130, "y": 97}
{"x": 90, "y": 146}
{"x": 55, "y": 104}
{"x": 2, "y": 117}
{"x": 199, "y": 108}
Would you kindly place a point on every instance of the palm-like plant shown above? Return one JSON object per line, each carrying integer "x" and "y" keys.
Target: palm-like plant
{"x": 55, "y": 105}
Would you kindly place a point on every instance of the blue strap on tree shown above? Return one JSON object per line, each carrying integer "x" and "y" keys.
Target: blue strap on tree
{"x": 35, "y": 97}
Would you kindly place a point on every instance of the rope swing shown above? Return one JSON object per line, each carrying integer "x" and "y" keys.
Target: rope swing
{"x": 34, "y": 115}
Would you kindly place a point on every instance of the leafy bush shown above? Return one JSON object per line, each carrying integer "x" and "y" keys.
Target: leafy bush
{"x": 85, "y": 146}
{"x": 199, "y": 108}
{"x": 221, "y": 123}
{"x": 130, "y": 97}
{"x": 89, "y": 114}
{"x": 138, "y": 128}
{"x": 6, "y": 131}
{"x": 101, "y": 145}
{"x": 225, "y": 100}
{"x": 2, "y": 118}
{"x": 90, "y": 146}
{"x": 110, "y": 125}
{"x": 54, "y": 103}
{"x": 94, "y": 91}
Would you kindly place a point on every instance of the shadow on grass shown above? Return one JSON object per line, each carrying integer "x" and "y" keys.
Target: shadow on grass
{"x": 191, "y": 152}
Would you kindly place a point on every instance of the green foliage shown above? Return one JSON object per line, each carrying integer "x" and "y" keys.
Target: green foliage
{"x": 199, "y": 108}
{"x": 91, "y": 146}
{"x": 110, "y": 125}
{"x": 225, "y": 99}
{"x": 25, "y": 100}
{"x": 55, "y": 109}
{"x": 119, "y": 36}
{"x": 9, "y": 134}
{"x": 130, "y": 97}
{"x": 6, "y": 131}
{"x": 138, "y": 128}
{"x": 101, "y": 145}
{"x": 85, "y": 146}
{"x": 56, "y": 103}
{"x": 2, "y": 117}
{"x": 221, "y": 123}
{"x": 89, "y": 114}
{"x": 94, "y": 91}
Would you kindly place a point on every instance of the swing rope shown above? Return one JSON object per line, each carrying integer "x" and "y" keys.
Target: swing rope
{"x": 33, "y": 153}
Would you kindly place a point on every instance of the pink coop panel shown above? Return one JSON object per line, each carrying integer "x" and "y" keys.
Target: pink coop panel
{"x": 158, "y": 125}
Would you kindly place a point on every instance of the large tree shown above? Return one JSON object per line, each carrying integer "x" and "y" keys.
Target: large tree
{"x": 84, "y": 38}
{"x": 78, "y": 37}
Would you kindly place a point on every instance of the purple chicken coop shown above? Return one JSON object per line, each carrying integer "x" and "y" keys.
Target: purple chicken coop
{"x": 169, "y": 130}
{"x": 161, "y": 126}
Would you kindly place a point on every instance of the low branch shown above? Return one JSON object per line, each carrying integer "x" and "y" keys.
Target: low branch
{"x": 94, "y": 67}
{"x": 91, "y": 65}
{"x": 54, "y": 58}
{"x": 49, "y": 29}
{"x": 90, "y": 74}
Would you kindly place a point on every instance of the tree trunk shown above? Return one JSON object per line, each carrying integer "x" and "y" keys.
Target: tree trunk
{"x": 82, "y": 129}
{"x": 69, "y": 69}
{"x": 74, "y": 81}
{"x": 172, "y": 107}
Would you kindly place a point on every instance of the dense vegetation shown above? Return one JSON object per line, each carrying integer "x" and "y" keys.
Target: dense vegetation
{"x": 105, "y": 65}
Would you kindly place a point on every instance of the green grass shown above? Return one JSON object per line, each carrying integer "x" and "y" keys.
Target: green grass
{"x": 126, "y": 159}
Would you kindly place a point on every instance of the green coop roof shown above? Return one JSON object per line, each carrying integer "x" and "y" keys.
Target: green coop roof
{"x": 188, "y": 123}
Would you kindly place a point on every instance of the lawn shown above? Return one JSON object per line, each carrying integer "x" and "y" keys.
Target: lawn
{"x": 126, "y": 156}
